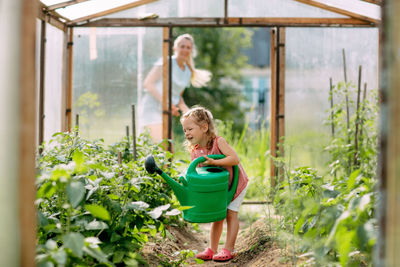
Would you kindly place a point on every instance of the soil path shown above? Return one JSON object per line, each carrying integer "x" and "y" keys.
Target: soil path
{"x": 255, "y": 246}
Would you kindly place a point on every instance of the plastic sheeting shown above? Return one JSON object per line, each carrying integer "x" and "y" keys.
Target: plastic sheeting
{"x": 109, "y": 67}
{"x": 53, "y": 81}
{"x": 276, "y": 8}
{"x": 313, "y": 55}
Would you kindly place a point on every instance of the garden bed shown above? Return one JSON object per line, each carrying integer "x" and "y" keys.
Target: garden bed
{"x": 255, "y": 246}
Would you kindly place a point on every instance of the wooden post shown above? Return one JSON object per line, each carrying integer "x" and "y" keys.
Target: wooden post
{"x": 70, "y": 55}
{"x": 389, "y": 167}
{"x": 41, "y": 81}
{"x": 277, "y": 99}
{"x": 273, "y": 122}
{"x": 167, "y": 86}
{"x": 27, "y": 132}
{"x": 165, "y": 83}
{"x": 281, "y": 90}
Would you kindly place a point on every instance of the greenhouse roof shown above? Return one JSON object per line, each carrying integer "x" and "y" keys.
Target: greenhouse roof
{"x": 124, "y": 13}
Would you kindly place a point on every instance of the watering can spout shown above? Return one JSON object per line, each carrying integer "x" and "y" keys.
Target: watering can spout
{"x": 180, "y": 191}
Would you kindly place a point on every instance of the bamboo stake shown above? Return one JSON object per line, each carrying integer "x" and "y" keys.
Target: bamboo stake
{"x": 133, "y": 133}
{"x": 331, "y": 96}
{"x": 347, "y": 104}
{"x": 127, "y": 133}
{"x": 347, "y": 97}
{"x": 119, "y": 163}
{"x": 362, "y": 111}
{"x": 357, "y": 116}
{"x": 76, "y": 124}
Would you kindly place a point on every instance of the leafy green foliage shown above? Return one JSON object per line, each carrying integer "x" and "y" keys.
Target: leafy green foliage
{"x": 95, "y": 209}
{"x": 353, "y": 145}
{"x": 180, "y": 259}
{"x": 334, "y": 217}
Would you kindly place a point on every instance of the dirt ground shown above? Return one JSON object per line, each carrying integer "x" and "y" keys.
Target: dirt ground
{"x": 255, "y": 246}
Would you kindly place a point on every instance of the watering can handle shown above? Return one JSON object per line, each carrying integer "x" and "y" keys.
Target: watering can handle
{"x": 194, "y": 163}
{"x": 232, "y": 191}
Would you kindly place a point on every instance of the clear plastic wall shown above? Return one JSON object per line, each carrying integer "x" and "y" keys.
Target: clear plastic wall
{"x": 276, "y": 8}
{"x": 313, "y": 56}
{"x": 53, "y": 81}
{"x": 109, "y": 67}
{"x": 175, "y": 8}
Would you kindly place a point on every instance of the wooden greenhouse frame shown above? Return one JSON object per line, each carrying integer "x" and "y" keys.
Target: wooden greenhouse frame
{"x": 389, "y": 144}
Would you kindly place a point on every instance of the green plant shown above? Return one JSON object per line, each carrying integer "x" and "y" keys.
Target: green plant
{"x": 180, "y": 258}
{"x": 332, "y": 219}
{"x": 94, "y": 209}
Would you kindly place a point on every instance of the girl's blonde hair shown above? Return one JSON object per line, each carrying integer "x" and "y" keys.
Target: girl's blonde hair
{"x": 199, "y": 77}
{"x": 200, "y": 116}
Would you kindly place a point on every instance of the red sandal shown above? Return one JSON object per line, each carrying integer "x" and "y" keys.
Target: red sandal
{"x": 224, "y": 255}
{"x": 206, "y": 255}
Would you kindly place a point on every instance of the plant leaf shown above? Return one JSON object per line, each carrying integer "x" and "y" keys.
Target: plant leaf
{"x": 98, "y": 211}
{"x": 75, "y": 242}
{"x": 156, "y": 213}
{"x": 173, "y": 212}
{"x": 60, "y": 257}
{"x": 76, "y": 192}
{"x": 96, "y": 253}
{"x": 96, "y": 225}
{"x": 138, "y": 205}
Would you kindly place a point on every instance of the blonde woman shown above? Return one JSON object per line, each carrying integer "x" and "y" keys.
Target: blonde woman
{"x": 184, "y": 73}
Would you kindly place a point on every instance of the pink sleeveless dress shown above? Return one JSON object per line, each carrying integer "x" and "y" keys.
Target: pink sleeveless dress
{"x": 201, "y": 151}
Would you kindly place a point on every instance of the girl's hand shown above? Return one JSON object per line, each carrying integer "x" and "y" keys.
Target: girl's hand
{"x": 209, "y": 161}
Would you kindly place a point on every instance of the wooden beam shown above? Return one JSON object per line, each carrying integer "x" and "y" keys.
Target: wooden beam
{"x": 27, "y": 132}
{"x": 376, "y": 2}
{"x": 113, "y": 10}
{"x": 339, "y": 10}
{"x": 65, "y": 4}
{"x": 229, "y": 22}
{"x": 50, "y": 18}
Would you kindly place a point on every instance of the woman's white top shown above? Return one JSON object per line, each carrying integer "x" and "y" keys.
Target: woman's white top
{"x": 150, "y": 110}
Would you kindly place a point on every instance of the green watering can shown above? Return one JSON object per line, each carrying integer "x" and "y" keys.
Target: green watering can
{"x": 205, "y": 189}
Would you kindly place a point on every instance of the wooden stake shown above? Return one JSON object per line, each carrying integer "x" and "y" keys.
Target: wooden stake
{"x": 133, "y": 133}
{"x": 331, "y": 98}
{"x": 356, "y": 153}
{"x": 127, "y": 132}
{"x": 362, "y": 111}
{"x": 346, "y": 92}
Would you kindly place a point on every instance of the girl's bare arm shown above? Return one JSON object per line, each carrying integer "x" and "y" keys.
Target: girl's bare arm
{"x": 231, "y": 158}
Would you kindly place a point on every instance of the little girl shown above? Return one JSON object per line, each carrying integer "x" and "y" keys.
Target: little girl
{"x": 201, "y": 140}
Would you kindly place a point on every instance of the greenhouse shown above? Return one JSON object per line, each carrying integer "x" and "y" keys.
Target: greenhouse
{"x": 303, "y": 91}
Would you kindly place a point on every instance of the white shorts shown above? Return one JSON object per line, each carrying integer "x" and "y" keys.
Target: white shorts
{"x": 235, "y": 204}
